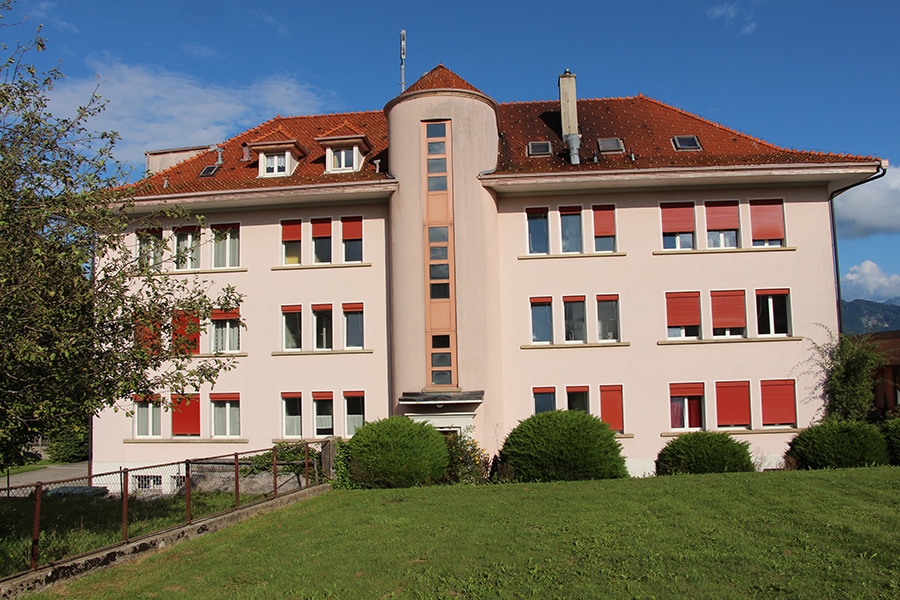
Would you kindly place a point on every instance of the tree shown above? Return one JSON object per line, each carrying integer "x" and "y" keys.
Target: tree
{"x": 85, "y": 324}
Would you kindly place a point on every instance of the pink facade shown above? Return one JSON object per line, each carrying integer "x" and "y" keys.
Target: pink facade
{"x": 655, "y": 269}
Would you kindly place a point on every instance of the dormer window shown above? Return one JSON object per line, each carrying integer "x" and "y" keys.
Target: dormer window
{"x": 344, "y": 153}
{"x": 277, "y": 158}
{"x": 343, "y": 159}
{"x": 276, "y": 164}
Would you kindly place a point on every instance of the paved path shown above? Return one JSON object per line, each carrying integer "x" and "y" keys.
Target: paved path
{"x": 50, "y": 473}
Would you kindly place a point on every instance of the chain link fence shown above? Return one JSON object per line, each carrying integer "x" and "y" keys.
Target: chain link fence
{"x": 48, "y": 522}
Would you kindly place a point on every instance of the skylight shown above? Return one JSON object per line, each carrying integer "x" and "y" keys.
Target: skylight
{"x": 607, "y": 145}
{"x": 539, "y": 148}
{"x": 686, "y": 142}
{"x": 210, "y": 170}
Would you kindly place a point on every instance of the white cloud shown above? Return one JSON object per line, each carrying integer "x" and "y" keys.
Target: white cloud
{"x": 729, "y": 12}
{"x": 46, "y": 11}
{"x": 153, "y": 108}
{"x": 870, "y": 209}
{"x": 867, "y": 280}
{"x": 748, "y": 28}
{"x": 198, "y": 51}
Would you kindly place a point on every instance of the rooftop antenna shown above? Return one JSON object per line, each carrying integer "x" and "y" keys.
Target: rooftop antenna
{"x": 402, "y": 60}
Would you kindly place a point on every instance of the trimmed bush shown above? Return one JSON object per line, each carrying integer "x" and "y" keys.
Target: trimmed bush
{"x": 704, "y": 452}
{"x": 891, "y": 431}
{"x": 396, "y": 453}
{"x": 562, "y": 445}
{"x": 68, "y": 446}
{"x": 468, "y": 462}
{"x": 836, "y": 445}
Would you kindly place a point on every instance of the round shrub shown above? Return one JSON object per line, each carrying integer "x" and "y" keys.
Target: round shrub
{"x": 891, "y": 431}
{"x": 568, "y": 445}
{"x": 838, "y": 444}
{"x": 68, "y": 446}
{"x": 704, "y": 452}
{"x": 396, "y": 453}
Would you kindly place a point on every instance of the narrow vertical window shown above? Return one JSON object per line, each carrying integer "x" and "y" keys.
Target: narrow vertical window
{"x": 611, "y": 409}
{"x": 321, "y": 233}
{"x": 767, "y": 222}
{"x": 678, "y": 225}
{"x": 351, "y": 232}
{"x": 226, "y": 412}
{"x": 290, "y": 242}
{"x": 186, "y": 415}
{"x": 538, "y": 231}
{"x": 683, "y": 314}
{"x": 291, "y": 316}
{"x": 728, "y": 316}
{"x": 570, "y": 228}
{"x": 150, "y": 248}
{"x": 147, "y": 413}
{"x": 353, "y": 325}
{"x": 772, "y": 317}
{"x": 293, "y": 420}
{"x": 686, "y": 405}
{"x": 226, "y": 331}
{"x": 733, "y": 404}
{"x": 608, "y": 317}
{"x": 541, "y": 320}
{"x": 226, "y": 245}
{"x": 323, "y": 405}
{"x": 356, "y": 411}
{"x": 185, "y": 333}
{"x": 187, "y": 248}
{"x": 722, "y": 224}
{"x": 323, "y": 324}
{"x": 578, "y": 398}
{"x": 576, "y": 331}
{"x": 604, "y": 228}
{"x": 544, "y": 399}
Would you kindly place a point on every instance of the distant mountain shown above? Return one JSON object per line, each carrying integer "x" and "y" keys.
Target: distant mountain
{"x": 865, "y": 316}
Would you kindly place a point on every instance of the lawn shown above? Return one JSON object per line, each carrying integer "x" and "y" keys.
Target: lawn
{"x": 817, "y": 534}
{"x": 41, "y": 464}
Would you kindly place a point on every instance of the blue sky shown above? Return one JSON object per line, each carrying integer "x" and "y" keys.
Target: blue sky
{"x": 808, "y": 74}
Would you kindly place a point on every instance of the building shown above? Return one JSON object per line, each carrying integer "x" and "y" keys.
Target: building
{"x": 471, "y": 263}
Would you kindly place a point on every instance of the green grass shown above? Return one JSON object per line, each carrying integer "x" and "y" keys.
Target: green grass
{"x": 816, "y": 534}
{"x": 41, "y": 464}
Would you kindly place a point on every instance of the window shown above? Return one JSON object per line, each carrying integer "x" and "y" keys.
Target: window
{"x": 356, "y": 415}
{"x": 290, "y": 242}
{"x": 187, "y": 248}
{"x": 604, "y": 228}
{"x": 226, "y": 245}
{"x": 323, "y": 324}
{"x": 678, "y": 225}
{"x": 150, "y": 248}
{"x": 683, "y": 314}
{"x": 342, "y": 159}
{"x": 437, "y": 158}
{"x": 146, "y": 415}
{"x": 779, "y": 406}
{"x": 767, "y": 222}
{"x": 544, "y": 399}
{"x": 541, "y": 320}
{"x": 722, "y": 224}
{"x": 570, "y": 228}
{"x": 686, "y": 142}
{"x": 608, "y": 317}
{"x": 291, "y": 316}
{"x": 733, "y": 403}
{"x": 538, "y": 232}
{"x": 186, "y": 415}
{"x": 226, "y": 331}
{"x": 441, "y": 360}
{"x": 439, "y": 262}
{"x": 275, "y": 164}
{"x": 148, "y": 482}
{"x": 610, "y": 145}
{"x": 728, "y": 316}
{"x": 351, "y": 232}
{"x": 226, "y": 415}
{"x": 293, "y": 419}
{"x": 577, "y": 398}
{"x": 772, "y": 312}
{"x": 539, "y": 148}
{"x": 147, "y": 334}
{"x": 353, "y": 325}
{"x": 686, "y": 405}
{"x": 185, "y": 333}
{"x": 321, "y": 233}
{"x": 611, "y": 407}
{"x": 573, "y": 306}
{"x": 323, "y": 404}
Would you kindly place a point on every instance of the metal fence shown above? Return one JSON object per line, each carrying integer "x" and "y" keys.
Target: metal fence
{"x": 47, "y": 522}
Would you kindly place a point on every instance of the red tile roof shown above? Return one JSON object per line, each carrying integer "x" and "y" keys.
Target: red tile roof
{"x": 440, "y": 78}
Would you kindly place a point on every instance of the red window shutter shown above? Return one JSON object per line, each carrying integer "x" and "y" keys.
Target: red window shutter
{"x": 686, "y": 389}
{"x": 573, "y": 298}
{"x": 225, "y": 315}
{"x": 611, "y": 407}
{"x": 722, "y": 215}
{"x": 186, "y": 415}
{"x": 291, "y": 395}
{"x": 290, "y": 231}
{"x": 537, "y": 211}
{"x": 321, "y": 228}
{"x": 291, "y": 308}
{"x": 222, "y": 396}
{"x": 682, "y": 309}
{"x": 577, "y": 388}
{"x": 607, "y": 297}
{"x": 351, "y": 228}
{"x": 224, "y": 226}
{"x": 773, "y": 292}
{"x": 355, "y": 394}
{"x": 147, "y": 336}
{"x": 728, "y": 309}
{"x": 541, "y": 300}
{"x": 543, "y": 390}
{"x": 145, "y": 398}
{"x": 323, "y": 395}
{"x": 767, "y": 219}
{"x": 352, "y": 306}
{"x": 733, "y": 403}
{"x": 677, "y": 217}
{"x": 778, "y": 404}
{"x": 316, "y": 307}
{"x": 604, "y": 220}
{"x": 181, "y": 339}
{"x": 569, "y": 210}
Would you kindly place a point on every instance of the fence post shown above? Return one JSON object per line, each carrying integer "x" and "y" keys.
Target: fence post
{"x": 187, "y": 490}
{"x": 274, "y": 471}
{"x": 36, "y": 532}
{"x": 306, "y": 460}
{"x": 124, "y": 505}
{"x": 237, "y": 482}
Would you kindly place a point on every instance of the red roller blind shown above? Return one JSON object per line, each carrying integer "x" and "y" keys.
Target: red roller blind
{"x": 573, "y": 298}
{"x": 321, "y": 307}
{"x": 569, "y": 210}
{"x": 722, "y": 215}
{"x": 291, "y": 394}
{"x": 355, "y": 394}
{"x": 778, "y": 404}
{"x": 577, "y": 388}
{"x": 543, "y": 210}
{"x": 767, "y": 219}
{"x": 773, "y": 292}
{"x": 604, "y": 220}
{"x": 351, "y": 228}
{"x": 290, "y": 231}
{"x": 733, "y": 403}
{"x": 221, "y": 396}
{"x": 186, "y": 415}
{"x": 181, "y": 339}
{"x": 682, "y": 309}
{"x": 321, "y": 227}
{"x": 544, "y": 390}
{"x": 352, "y": 306}
{"x": 686, "y": 389}
{"x": 225, "y": 315}
{"x": 323, "y": 395}
{"x": 677, "y": 217}
{"x": 607, "y": 297}
{"x": 728, "y": 309}
{"x": 541, "y": 300}
{"x": 291, "y": 308}
{"x": 145, "y": 398}
{"x": 611, "y": 407}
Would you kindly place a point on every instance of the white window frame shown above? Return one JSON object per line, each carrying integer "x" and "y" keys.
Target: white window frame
{"x": 584, "y": 338}
{"x": 153, "y": 412}
{"x": 229, "y": 326}
{"x": 285, "y": 416}
{"x": 352, "y": 427}
{"x": 549, "y": 308}
{"x": 347, "y": 344}
{"x": 149, "y": 249}
{"x": 680, "y": 333}
{"x": 729, "y": 332}
{"x": 618, "y": 336}
{"x": 720, "y": 234}
{"x": 768, "y": 243}
{"x": 192, "y": 257}
{"x": 230, "y": 240}
{"x": 562, "y": 237}
{"x": 543, "y": 217}
{"x": 316, "y": 325}
{"x": 231, "y": 406}
{"x": 316, "y": 415}
{"x": 686, "y": 414}
{"x": 770, "y": 300}
{"x": 678, "y": 240}
{"x": 332, "y": 152}
{"x": 285, "y": 157}
{"x": 284, "y": 331}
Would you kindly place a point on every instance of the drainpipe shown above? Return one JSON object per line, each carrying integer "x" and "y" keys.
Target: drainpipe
{"x": 882, "y": 171}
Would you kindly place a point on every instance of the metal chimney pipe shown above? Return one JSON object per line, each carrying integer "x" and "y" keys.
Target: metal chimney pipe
{"x": 569, "y": 115}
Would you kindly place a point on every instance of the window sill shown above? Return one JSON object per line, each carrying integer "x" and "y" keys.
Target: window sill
{"x": 220, "y": 355}
{"x": 785, "y": 338}
{"x": 569, "y": 255}
{"x": 726, "y": 250}
{"x": 321, "y": 352}
{"x": 186, "y": 440}
{"x": 204, "y": 271}
{"x": 666, "y": 434}
{"x": 624, "y": 436}
{"x": 591, "y": 345}
{"x": 321, "y": 266}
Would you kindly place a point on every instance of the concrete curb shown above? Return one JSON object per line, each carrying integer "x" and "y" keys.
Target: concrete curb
{"x": 18, "y": 586}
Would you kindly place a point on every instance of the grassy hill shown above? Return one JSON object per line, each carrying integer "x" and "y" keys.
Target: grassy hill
{"x": 865, "y": 316}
